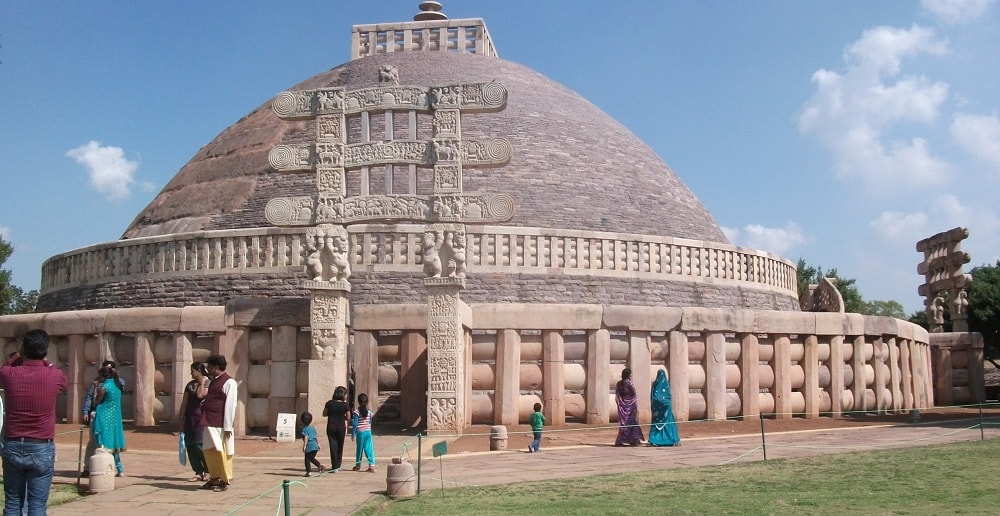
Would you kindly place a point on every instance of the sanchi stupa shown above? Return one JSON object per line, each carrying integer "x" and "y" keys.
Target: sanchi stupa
{"x": 464, "y": 237}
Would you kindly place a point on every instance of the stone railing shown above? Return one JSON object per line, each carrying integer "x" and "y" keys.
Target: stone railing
{"x": 397, "y": 248}
{"x": 728, "y": 362}
{"x": 468, "y": 35}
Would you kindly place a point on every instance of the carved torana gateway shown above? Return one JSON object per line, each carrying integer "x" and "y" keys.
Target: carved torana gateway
{"x": 339, "y": 162}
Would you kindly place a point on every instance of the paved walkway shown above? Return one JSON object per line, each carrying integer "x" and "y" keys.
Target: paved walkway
{"x": 162, "y": 488}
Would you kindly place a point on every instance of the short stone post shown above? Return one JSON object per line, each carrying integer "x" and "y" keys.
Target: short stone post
{"x": 498, "y": 437}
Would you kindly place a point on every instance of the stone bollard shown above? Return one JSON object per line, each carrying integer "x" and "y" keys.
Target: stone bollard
{"x": 498, "y": 437}
{"x": 102, "y": 471}
{"x": 400, "y": 479}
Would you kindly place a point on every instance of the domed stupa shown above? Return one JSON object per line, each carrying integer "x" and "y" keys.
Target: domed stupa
{"x": 559, "y": 203}
{"x": 457, "y": 234}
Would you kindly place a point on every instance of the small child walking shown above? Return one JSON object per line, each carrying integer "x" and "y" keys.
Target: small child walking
{"x": 537, "y": 420}
{"x": 310, "y": 444}
{"x": 361, "y": 427}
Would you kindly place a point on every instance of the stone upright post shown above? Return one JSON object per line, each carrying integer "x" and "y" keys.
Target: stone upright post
{"x": 328, "y": 269}
{"x": 446, "y": 354}
{"x": 327, "y": 365}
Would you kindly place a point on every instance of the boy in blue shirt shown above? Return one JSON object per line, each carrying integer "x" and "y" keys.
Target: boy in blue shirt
{"x": 310, "y": 444}
{"x": 537, "y": 420}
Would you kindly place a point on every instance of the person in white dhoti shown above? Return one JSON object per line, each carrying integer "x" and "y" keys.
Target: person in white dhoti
{"x": 218, "y": 413}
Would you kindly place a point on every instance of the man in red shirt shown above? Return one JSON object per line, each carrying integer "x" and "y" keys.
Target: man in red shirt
{"x": 30, "y": 385}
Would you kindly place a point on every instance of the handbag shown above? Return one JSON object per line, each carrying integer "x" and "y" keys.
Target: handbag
{"x": 182, "y": 451}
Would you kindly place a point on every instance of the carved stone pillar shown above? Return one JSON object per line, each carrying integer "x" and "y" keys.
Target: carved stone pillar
{"x": 446, "y": 355}
{"x": 327, "y": 366}
{"x": 328, "y": 269}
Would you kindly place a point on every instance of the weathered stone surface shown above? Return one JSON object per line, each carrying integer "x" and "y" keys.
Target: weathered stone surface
{"x": 786, "y": 322}
{"x": 536, "y": 317}
{"x": 79, "y": 321}
{"x": 642, "y": 317}
{"x": 203, "y": 318}
{"x": 143, "y": 319}
{"x": 268, "y": 312}
{"x": 714, "y": 319}
{"x": 880, "y": 325}
{"x": 403, "y": 317}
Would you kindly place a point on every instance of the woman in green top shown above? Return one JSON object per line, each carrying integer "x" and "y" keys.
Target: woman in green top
{"x": 107, "y": 424}
{"x": 536, "y": 420}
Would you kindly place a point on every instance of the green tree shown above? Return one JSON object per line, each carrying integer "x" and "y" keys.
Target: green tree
{"x": 919, "y": 317}
{"x": 886, "y": 308}
{"x": 13, "y": 300}
{"x": 984, "y": 306}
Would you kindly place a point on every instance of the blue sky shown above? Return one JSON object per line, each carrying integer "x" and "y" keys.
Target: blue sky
{"x": 837, "y": 131}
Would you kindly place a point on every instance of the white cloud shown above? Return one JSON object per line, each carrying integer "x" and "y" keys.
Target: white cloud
{"x": 110, "y": 172}
{"x": 952, "y": 212}
{"x": 852, "y": 110}
{"x": 957, "y": 11}
{"x": 979, "y": 135}
{"x": 882, "y": 49}
{"x": 896, "y": 225}
{"x": 773, "y": 240}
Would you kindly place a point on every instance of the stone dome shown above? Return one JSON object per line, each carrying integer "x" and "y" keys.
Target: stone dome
{"x": 541, "y": 196}
{"x": 571, "y": 167}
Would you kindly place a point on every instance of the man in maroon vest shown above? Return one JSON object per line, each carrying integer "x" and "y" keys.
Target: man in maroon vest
{"x": 218, "y": 414}
{"x": 30, "y": 385}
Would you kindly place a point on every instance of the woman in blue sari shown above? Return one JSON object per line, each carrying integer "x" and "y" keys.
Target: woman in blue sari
{"x": 107, "y": 424}
{"x": 663, "y": 431}
{"x": 629, "y": 431}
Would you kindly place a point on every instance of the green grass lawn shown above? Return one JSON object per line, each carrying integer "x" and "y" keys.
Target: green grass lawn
{"x": 58, "y": 494}
{"x": 943, "y": 479}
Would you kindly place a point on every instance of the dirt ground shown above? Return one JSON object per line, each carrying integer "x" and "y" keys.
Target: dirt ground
{"x": 477, "y": 437}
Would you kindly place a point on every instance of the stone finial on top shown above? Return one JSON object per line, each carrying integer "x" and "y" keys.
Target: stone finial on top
{"x": 430, "y": 10}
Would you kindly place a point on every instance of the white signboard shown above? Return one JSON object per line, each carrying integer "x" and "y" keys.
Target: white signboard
{"x": 286, "y": 428}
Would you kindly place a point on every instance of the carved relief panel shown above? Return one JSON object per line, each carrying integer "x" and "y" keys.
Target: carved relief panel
{"x": 332, "y": 159}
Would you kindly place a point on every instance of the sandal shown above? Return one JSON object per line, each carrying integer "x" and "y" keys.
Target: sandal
{"x": 209, "y": 485}
{"x": 196, "y": 478}
{"x": 220, "y": 488}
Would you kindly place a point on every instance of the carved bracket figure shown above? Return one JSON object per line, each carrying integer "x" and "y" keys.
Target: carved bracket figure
{"x": 328, "y": 256}
{"x": 443, "y": 251}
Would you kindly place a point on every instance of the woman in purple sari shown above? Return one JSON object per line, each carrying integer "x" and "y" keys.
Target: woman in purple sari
{"x": 629, "y": 432}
